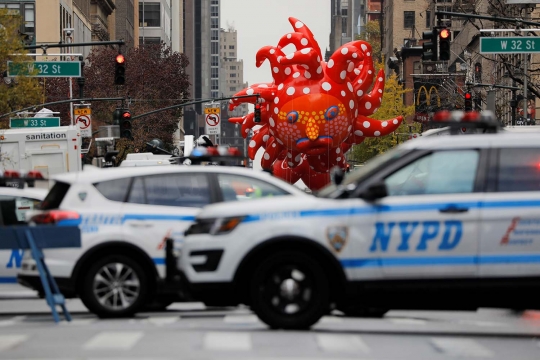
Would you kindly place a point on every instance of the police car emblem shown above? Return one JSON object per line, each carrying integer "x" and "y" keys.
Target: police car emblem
{"x": 337, "y": 237}
{"x": 82, "y": 196}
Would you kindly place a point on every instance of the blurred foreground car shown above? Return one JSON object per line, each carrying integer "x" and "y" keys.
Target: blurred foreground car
{"x": 15, "y": 202}
{"x": 125, "y": 216}
{"x": 447, "y": 222}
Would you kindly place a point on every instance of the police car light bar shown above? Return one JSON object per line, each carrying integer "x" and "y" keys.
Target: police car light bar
{"x": 467, "y": 119}
{"x": 16, "y": 179}
{"x": 214, "y": 154}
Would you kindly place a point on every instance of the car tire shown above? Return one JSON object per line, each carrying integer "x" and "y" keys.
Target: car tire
{"x": 289, "y": 290}
{"x": 115, "y": 286}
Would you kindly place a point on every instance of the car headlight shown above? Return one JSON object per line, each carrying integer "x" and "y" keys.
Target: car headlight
{"x": 217, "y": 226}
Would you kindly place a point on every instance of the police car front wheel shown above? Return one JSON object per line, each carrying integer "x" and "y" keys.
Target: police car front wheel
{"x": 289, "y": 290}
{"x": 114, "y": 286}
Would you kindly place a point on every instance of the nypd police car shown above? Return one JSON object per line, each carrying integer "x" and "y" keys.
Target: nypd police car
{"x": 447, "y": 222}
{"x": 126, "y": 216}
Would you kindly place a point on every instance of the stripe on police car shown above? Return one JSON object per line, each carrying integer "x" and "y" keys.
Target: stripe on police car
{"x": 8, "y": 280}
{"x": 366, "y": 210}
{"x": 227, "y": 341}
{"x": 157, "y": 217}
{"x": 117, "y": 340}
{"x": 341, "y": 343}
{"x": 10, "y": 341}
{"x": 159, "y": 261}
{"x": 460, "y": 347}
{"x": 442, "y": 260}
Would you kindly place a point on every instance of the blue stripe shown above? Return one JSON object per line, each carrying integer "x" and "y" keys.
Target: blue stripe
{"x": 157, "y": 217}
{"x": 441, "y": 261}
{"x": 69, "y": 222}
{"x": 8, "y": 280}
{"x": 373, "y": 209}
{"x": 159, "y": 261}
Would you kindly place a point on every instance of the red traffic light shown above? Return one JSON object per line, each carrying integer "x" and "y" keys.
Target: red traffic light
{"x": 126, "y": 115}
{"x": 444, "y": 34}
{"x": 468, "y": 96}
{"x": 120, "y": 59}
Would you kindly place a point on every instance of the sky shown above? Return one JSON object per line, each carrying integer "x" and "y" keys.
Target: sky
{"x": 263, "y": 22}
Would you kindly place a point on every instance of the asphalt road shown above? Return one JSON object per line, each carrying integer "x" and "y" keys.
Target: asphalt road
{"x": 192, "y": 331}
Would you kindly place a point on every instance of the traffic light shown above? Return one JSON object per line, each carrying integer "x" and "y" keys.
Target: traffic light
{"x": 444, "y": 44}
{"x": 257, "y": 112}
{"x": 430, "y": 44}
{"x": 468, "y": 101}
{"x": 126, "y": 124}
{"x": 120, "y": 70}
{"x": 117, "y": 116}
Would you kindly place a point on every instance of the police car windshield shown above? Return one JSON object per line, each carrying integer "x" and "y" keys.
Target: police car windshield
{"x": 333, "y": 191}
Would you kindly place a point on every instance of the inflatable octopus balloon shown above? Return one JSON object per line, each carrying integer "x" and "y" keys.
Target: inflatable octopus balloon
{"x": 313, "y": 111}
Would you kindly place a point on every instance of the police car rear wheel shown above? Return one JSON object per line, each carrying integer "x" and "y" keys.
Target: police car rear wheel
{"x": 289, "y": 290}
{"x": 114, "y": 286}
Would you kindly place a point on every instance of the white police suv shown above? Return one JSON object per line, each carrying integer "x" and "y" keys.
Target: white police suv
{"x": 125, "y": 216}
{"x": 437, "y": 223}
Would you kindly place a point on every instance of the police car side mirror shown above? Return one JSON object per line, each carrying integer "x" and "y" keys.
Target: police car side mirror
{"x": 337, "y": 175}
{"x": 375, "y": 191}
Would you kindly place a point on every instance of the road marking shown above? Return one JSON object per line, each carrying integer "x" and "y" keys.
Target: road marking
{"x": 408, "y": 321}
{"x": 330, "y": 320}
{"x": 227, "y": 341}
{"x": 78, "y": 322}
{"x": 341, "y": 343}
{"x": 163, "y": 320}
{"x": 10, "y": 341}
{"x": 117, "y": 340}
{"x": 12, "y": 321}
{"x": 460, "y": 347}
{"x": 241, "y": 319}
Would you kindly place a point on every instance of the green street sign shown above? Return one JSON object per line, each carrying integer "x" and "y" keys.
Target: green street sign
{"x": 510, "y": 45}
{"x": 45, "y": 68}
{"x": 34, "y": 122}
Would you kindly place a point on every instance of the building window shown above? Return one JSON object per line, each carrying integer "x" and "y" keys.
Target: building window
{"x": 214, "y": 60}
{"x": 29, "y": 18}
{"x": 232, "y": 88}
{"x": 215, "y": 2}
{"x": 214, "y": 23}
{"x": 233, "y": 75}
{"x": 428, "y": 19}
{"x": 214, "y": 48}
{"x": 149, "y": 40}
{"x": 214, "y": 72}
{"x": 149, "y": 14}
{"x": 214, "y": 11}
{"x": 231, "y": 46}
{"x": 215, "y": 35}
{"x": 408, "y": 17}
{"x": 214, "y": 94}
{"x": 231, "y": 54}
{"x": 233, "y": 67}
{"x": 215, "y": 84}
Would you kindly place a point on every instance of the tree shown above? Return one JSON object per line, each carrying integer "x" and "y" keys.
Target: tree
{"x": 372, "y": 34}
{"x": 155, "y": 79}
{"x": 391, "y": 106}
{"x": 20, "y": 92}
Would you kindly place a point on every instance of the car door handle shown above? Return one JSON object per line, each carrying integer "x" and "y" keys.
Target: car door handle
{"x": 453, "y": 209}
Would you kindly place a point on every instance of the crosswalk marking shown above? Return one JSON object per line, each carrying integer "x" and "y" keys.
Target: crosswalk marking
{"x": 115, "y": 340}
{"x": 163, "y": 320}
{"x": 10, "y": 341}
{"x": 408, "y": 321}
{"x": 460, "y": 347}
{"x": 12, "y": 321}
{"x": 330, "y": 320}
{"x": 227, "y": 341}
{"x": 341, "y": 343}
{"x": 241, "y": 319}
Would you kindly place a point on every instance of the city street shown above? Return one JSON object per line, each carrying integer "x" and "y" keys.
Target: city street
{"x": 191, "y": 331}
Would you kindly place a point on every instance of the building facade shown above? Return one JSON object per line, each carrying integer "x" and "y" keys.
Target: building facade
{"x": 232, "y": 81}
{"x": 201, "y": 31}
